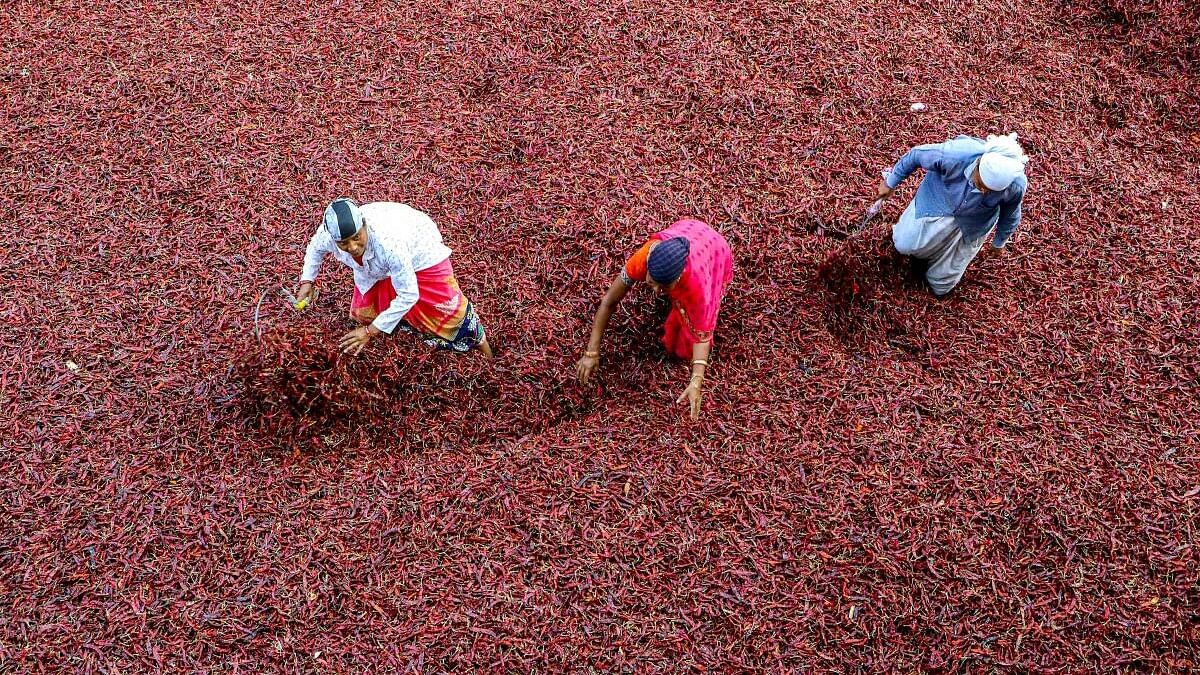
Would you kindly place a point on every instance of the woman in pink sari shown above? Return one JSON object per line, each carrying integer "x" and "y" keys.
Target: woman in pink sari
{"x": 691, "y": 263}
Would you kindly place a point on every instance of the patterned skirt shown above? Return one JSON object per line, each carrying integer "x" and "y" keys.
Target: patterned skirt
{"x": 443, "y": 317}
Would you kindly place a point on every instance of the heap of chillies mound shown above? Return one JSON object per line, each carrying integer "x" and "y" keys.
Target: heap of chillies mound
{"x": 296, "y": 381}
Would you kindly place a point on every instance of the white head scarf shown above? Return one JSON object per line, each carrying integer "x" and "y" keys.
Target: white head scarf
{"x": 1002, "y": 162}
{"x": 342, "y": 219}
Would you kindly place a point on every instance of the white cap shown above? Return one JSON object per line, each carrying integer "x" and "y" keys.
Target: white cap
{"x": 998, "y": 171}
{"x": 1003, "y": 161}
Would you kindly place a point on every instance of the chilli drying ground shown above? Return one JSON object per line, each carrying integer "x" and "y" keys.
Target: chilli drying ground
{"x": 880, "y": 481}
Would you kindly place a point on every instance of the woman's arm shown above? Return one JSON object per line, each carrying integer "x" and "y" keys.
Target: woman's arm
{"x": 695, "y": 388}
{"x": 319, "y": 246}
{"x": 591, "y": 358}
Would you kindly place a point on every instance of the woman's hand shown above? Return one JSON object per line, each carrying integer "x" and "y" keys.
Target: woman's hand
{"x": 586, "y": 366}
{"x": 353, "y": 342}
{"x": 692, "y": 395}
{"x": 306, "y": 295}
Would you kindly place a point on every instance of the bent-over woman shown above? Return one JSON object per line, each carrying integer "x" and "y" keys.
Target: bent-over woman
{"x": 691, "y": 263}
{"x": 402, "y": 276}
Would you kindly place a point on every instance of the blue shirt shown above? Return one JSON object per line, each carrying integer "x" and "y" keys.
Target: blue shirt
{"x": 947, "y": 189}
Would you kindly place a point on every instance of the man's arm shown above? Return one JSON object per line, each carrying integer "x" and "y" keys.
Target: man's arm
{"x": 928, "y": 157}
{"x": 1010, "y": 219}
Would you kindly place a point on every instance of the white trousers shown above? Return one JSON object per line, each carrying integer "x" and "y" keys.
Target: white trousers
{"x": 938, "y": 240}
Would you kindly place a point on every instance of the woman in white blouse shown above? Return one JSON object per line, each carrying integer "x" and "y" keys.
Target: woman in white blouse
{"x": 402, "y": 276}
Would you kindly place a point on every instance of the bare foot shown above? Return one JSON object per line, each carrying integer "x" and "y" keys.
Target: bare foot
{"x": 485, "y": 348}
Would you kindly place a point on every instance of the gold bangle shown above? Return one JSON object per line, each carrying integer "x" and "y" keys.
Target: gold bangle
{"x": 594, "y": 355}
{"x": 700, "y": 362}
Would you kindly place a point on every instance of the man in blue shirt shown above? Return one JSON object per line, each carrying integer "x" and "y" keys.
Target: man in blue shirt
{"x": 970, "y": 186}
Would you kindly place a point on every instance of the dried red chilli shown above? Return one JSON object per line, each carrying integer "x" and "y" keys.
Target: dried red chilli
{"x": 297, "y": 384}
{"x": 1002, "y": 480}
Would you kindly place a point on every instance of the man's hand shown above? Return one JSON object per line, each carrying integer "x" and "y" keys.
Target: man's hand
{"x": 884, "y": 190}
{"x": 585, "y": 367}
{"x": 353, "y": 342}
{"x": 692, "y": 395}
